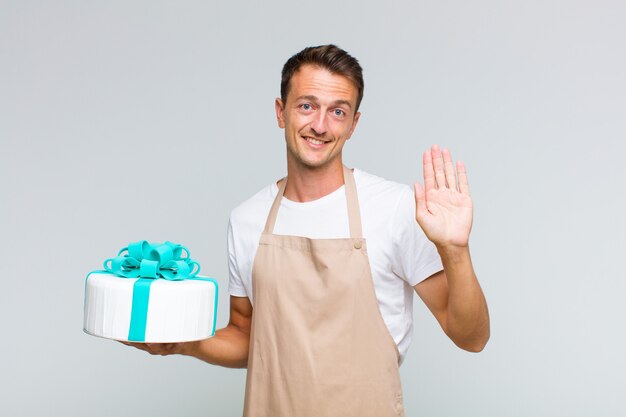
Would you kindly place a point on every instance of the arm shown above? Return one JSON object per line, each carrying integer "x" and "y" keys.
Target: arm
{"x": 229, "y": 346}
{"x": 444, "y": 211}
{"x": 460, "y": 308}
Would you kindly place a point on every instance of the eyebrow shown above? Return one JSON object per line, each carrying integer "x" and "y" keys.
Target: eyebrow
{"x": 334, "y": 103}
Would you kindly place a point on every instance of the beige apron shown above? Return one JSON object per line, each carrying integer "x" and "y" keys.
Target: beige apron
{"x": 319, "y": 346}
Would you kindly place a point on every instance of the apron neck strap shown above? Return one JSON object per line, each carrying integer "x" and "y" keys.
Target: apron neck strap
{"x": 271, "y": 218}
{"x": 352, "y": 199}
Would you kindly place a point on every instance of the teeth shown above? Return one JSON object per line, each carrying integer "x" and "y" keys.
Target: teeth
{"x": 315, "y": 141}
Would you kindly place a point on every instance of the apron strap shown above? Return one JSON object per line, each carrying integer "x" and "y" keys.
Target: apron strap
{"x": 271, "y": 218}
{"x": 352, "y": 199}
{"x": 354, "y": 212}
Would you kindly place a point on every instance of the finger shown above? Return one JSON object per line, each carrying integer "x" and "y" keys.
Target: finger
{"x": 463, "y": 184}
{"x": 157, "y": 348}
{"x": 168, "y": 349}
{"x": 448, "y": 167}
{"x": 440, "y": 176}
{"x": 140, "y": 346}
{"x": 162, "y": 349}
{"x": 420, "y": 200}
{"x": 429, "y": 172}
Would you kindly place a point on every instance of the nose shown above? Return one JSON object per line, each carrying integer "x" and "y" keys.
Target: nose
{"x": 319, "y": 124}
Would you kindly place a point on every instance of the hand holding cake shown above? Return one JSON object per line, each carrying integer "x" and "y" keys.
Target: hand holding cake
{"x": 163, "y": 349}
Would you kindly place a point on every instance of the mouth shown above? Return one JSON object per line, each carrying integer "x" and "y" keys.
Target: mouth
{"x": 314, "y": 141}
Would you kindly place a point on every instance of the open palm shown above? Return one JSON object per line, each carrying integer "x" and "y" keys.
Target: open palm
{"x": 444, "y": 207}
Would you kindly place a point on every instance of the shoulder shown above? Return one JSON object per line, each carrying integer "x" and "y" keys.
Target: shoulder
{"x": 254, "y": 207}
{"x": 262, "y": 198}
{"x": 381, "y": 191}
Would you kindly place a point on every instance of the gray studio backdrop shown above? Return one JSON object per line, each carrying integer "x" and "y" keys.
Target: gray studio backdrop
{"x": 122, "y": 121}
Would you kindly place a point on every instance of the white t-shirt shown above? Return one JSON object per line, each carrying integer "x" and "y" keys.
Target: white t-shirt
{"x": 400, "y": 255}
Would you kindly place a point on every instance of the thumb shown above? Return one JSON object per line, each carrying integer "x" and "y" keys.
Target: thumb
{"x": 420, "y": 200}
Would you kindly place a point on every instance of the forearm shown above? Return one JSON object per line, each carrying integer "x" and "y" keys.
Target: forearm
{"x": 228, "y": 348}
{"x": 467, "y": 318}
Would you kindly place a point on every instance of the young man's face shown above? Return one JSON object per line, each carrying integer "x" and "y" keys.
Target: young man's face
{"x": 319, "y": 115}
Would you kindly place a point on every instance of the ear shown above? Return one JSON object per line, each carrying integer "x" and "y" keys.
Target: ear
{"x": 280, "y": 110}
{"x": 354, "y": 122}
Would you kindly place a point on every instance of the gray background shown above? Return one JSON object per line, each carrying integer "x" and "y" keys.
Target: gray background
{"x": 151, "y": 120}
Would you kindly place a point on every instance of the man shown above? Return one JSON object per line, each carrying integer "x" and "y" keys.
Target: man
{"x": 323, "y": 263}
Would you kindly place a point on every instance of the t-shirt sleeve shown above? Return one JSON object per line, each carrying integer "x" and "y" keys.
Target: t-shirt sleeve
{"x": 415, "y": 258}
{"x": 235, "y": 283}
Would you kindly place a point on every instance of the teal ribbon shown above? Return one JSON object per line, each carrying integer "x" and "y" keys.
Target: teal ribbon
{"x": 149, "y": 261}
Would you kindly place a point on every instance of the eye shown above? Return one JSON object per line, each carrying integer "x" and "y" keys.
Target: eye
{"x": 339, "y": 112}
{"x": 307, "y": 107}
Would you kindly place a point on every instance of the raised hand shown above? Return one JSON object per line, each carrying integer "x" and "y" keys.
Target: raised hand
{"x": 444, "y": 207}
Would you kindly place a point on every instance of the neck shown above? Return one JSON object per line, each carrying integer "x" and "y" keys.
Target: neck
{"x": 308, "y": 184}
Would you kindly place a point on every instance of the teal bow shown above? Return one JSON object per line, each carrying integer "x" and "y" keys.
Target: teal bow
{"x": 150, "y": 261}
{"x": 153, "y": 260}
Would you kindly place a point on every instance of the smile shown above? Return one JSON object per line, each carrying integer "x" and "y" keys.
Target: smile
{"x": 314, "y": 141}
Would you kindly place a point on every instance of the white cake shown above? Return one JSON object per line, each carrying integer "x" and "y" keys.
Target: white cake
{"x": 177, "y": 311}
